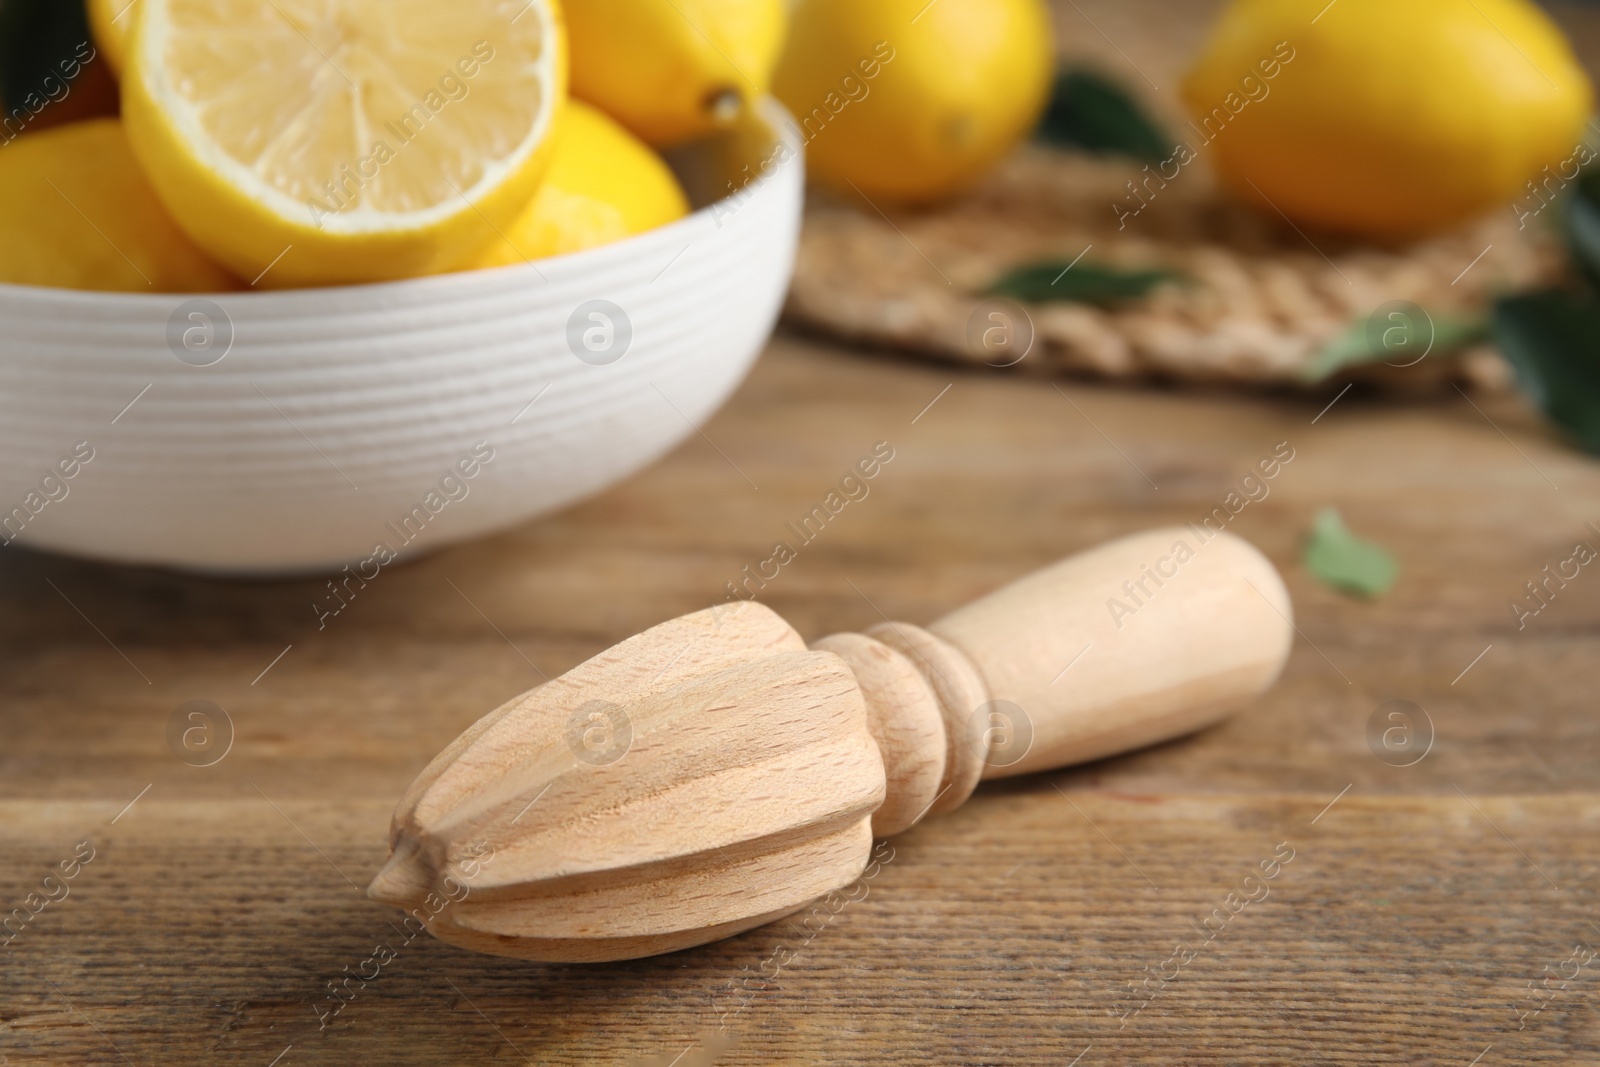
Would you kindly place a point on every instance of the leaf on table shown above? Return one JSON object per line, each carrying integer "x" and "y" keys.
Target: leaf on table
{"x": 1401, "y": 337}
{"x": 1339, "y": 558}
{"x": 1089, "y": 111}
{"x": 1082, "y": 283}
{"x": 1552, "y": 340}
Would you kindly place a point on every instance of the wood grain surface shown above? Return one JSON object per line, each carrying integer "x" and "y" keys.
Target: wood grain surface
{"x": 1034, "y": 925}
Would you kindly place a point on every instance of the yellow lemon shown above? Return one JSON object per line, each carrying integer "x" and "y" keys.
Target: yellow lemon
{"x": 603, "y": 184}
{"x": 913, "y": 101}
{"x": 75, "y": 213}
{"x": 673, "y": 70}
{"x": 111, "y": 25}
{"x": 1386, "y": 118}
{"x": 324, "y": 141}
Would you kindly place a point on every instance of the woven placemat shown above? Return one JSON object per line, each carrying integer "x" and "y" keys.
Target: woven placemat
{"x": 1258, "y": 301}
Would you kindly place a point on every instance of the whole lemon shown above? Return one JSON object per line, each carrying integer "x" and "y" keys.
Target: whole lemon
{"x": 673, "y": 70}
{"x": 111, "y": 24}
{"x": 603, "y": 184}
{"x": 77, "y": 213}
{"x": 1387, "y": 118}
{"x": 910, "y": 100}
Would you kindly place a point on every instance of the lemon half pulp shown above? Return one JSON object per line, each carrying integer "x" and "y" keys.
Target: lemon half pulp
{"x": 344, "y": 140}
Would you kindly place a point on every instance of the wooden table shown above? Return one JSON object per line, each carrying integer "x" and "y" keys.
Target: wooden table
{"x": 1419, "y": 905}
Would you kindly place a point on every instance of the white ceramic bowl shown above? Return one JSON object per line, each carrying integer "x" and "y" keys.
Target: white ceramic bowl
{"x": 322, "y": 419}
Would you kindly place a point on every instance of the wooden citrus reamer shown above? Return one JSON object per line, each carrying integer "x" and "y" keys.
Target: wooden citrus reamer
{"x": 713, "y": 773}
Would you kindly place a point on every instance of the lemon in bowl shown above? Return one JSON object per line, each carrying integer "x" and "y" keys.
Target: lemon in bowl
{"x": 111, "y": 24}
{"x": 603, "y": 185}
{"x": 674, "y": 70}
{"x": 363, "y": 140}
{"x": 82, "y": 216}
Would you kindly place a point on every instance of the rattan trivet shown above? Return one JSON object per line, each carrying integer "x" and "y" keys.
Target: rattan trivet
{"x": 1258, "y": 302}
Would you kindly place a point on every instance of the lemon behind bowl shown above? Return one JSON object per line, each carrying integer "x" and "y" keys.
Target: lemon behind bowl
{"x": 673, "y": 70}
{"x": 76, "y": 213}
{"x": 362, "y": 141}
{"x": 603, "y": 184}
{"x": 111, "y": 26}
{"x": 1387, "y": 119}
{"x": 913, "y": 101}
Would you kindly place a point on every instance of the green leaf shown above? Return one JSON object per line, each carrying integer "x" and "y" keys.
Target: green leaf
{"x": 1088, "y": 111}
{"x": 1082, "y": 283}
{"x": 35, "y": 37}
{"x": 1344, "y": 561}
{"x": 1581, "y": 220}
{"x": 1552, "y": 339}
{"x": 1399, "y": 334}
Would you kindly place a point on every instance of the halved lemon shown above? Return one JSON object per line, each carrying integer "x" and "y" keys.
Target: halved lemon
{"x": 306, "y": 142}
